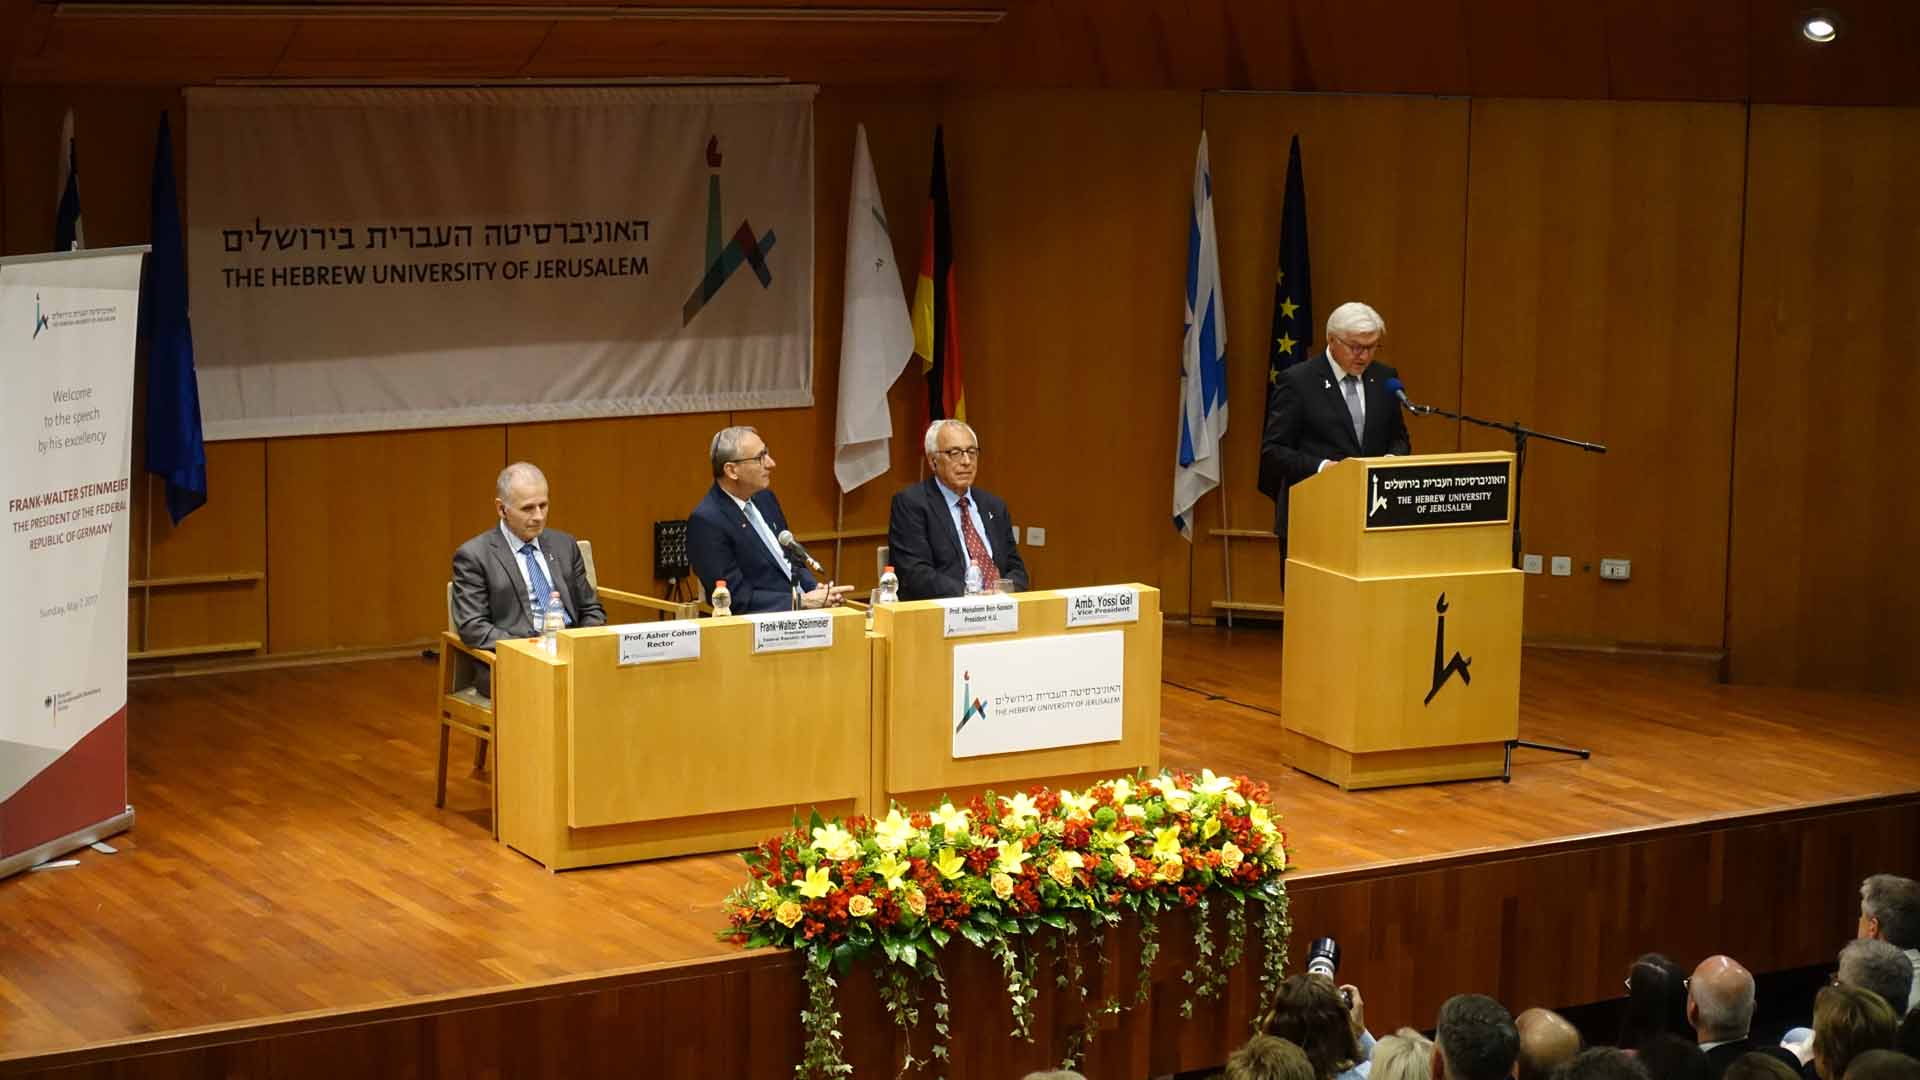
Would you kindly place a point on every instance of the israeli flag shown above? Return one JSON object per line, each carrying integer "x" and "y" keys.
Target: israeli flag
{"x": 1203, "y": 358}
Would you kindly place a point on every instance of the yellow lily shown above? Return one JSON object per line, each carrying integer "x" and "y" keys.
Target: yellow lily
{"x": 1012, "y": 855}
{"x": 1020, "y": 809}
{"x": 1166, "y": 842}
{"x": 893, "y": 833}
{"x": 818, "y": 883}
{"x": 1213, "y": 785}
{"x": 891, "y": 870}
{"x": 949, "y": 863}
{"x": 836, "y": 842}
{"x": 952, "y": 819}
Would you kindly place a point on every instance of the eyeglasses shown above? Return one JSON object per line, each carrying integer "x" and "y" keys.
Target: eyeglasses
{"x": 1361, "y": 350}
{"x": 960, "y": 453}
{"x": 761, "y": 457}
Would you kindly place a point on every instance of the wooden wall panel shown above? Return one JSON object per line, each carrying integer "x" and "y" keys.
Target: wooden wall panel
{"x": 1602, "y": 296}
{"x": 1070, "y": 240}
{"x": 228, "y": 535}
{"x": 361, "y": 531}
{"x": 1384, "y": 226}
{"x": 115, "y": 127}
{"x": 610, "y": 480}
{"x": 1822, "y": 581}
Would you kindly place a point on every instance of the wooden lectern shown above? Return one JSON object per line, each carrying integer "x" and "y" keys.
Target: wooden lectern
{"x": 918, "y": 675}
{"x": 603, "y": 763}
{"x": 1402, "y": 648}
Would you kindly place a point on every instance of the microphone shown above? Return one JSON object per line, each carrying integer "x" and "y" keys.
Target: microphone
{"x": 1399, "y": 389}
{"x": 793, "y": 548}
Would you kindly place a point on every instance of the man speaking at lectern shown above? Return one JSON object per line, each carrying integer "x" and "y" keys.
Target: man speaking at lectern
{"x": 1331, "y": 407}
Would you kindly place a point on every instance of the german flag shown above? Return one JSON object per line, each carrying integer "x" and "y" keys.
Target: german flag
{"x": 936, "y": 338}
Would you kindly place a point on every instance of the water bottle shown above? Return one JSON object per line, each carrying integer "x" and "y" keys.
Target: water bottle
{"x": 889, "y": 592}
{"x": 551, "y": 622}
{"x": 974, "y": 580}
{"x": 722, "y": 599}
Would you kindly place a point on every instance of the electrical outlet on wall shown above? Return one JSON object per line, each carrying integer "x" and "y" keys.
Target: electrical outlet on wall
{"x": 1036, "y": 536}
{"x": 1531, "y": 564}
{"x": 1616, "y": 569}
{"x": 1563, "y": 566}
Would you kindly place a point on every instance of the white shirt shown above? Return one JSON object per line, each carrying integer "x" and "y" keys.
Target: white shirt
{"x": 536, "y": 605}
{"x": 1338, "y": 374}
{"x": 973, "y": 510}
{"x": 764, "y": 530}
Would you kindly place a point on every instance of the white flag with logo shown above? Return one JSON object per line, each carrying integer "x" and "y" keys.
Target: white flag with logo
{"x": 1203, "y": 358}
{"x": 876, "y": 332}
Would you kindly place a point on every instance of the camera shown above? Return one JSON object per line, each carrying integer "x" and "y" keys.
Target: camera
{"x": 1323, "y": 959}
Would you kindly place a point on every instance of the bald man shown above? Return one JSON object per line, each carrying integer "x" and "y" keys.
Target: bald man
{"x": 1547, "y": 1040}
{"x": 1720, "y": 1008}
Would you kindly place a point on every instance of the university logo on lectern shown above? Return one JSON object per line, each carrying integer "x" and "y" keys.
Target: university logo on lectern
{"x": 974, "y": 706}
{"x": 1447, "y": 670}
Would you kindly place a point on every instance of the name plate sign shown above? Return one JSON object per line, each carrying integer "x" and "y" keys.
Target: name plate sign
{"x": 650, "y": 643}
{"x": 1102, "y": 604}
{"x": 971, "y": 615}
{"x": 786, "y": 631}
{"x": 1440, "y": 493}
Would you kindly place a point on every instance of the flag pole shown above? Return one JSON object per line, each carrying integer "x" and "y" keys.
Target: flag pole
{"x": 1226, "y": 540}
{"x": 146, "y": 573}
{"x": 839, "y": 531}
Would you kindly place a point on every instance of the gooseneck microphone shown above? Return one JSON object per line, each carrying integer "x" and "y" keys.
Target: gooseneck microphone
{"x": 1399, "y": 389}
{"x": 793, "y": 546}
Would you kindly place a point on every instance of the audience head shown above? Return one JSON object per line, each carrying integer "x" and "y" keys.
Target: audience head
{"x": 1474, "y": 1040}
{"x": 1265, "y": 1057}
{"x": 1656, "y": 1002}
{"x": 1054, "y": 1074}
{"x": 742, "y": 464}
{"x": 953, "y": 453}
{"x": 1404, "y": 1055}
{"x": 1309, "y": 1013}
{"x": 1547, "y": 1041}
{"x": 1670, "y": 1057}
{"x": 1883, "y": 1065}
{"x": 1878, "y": 966}
{"x": 1602, "y": 1063}
{"x": 520, "y": 496}
{"x": 1758, "y": 1066}
{"x": 1848, "y": 1022}
{"x": 1720, "y": 1000}
{"x": 1890, "y": 910}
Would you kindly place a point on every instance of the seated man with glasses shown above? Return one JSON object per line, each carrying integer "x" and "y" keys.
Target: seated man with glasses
{"x": 733, "y": 535}
{"x": 943, "y": 523}
{"x": 1331, "y": 407}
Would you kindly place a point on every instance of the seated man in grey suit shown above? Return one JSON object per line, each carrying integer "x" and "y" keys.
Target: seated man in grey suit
{"x": 938, "y": 526}
{"x": 503, "y": 577}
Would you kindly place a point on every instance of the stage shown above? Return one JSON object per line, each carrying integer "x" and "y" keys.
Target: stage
{"x": 289, "y": 877}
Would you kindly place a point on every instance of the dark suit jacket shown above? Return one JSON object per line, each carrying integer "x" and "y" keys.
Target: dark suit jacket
{"x": 1308, "y": 422}
{"x": 490, "y": 597}
{"x": 1725, "y": 1054}
{"x": 722, "y": 546}
{"x": 925, "y": 549}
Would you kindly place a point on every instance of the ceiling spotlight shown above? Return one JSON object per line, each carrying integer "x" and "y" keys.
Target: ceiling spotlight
{"x": 1820, "y": 27}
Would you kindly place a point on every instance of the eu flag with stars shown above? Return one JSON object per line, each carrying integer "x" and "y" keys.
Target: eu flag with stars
{"x": 1293, "y": 325}
{"x": 175, "y": 449}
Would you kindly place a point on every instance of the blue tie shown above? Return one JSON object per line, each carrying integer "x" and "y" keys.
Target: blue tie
{"x": 542, "y": 588}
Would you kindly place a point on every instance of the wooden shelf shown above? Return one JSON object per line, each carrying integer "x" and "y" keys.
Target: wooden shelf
{"x": 1249, "y": 605}
{"x": 211, "y": 649}
{"x": 230, "y": 578}
{"x": 1244, "y": 534}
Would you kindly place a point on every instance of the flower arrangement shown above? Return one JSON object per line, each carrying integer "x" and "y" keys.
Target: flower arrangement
{"x": 1001, "y": 872}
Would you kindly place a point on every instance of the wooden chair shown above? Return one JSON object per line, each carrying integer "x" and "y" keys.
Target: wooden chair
{"x": 464, "y": 707}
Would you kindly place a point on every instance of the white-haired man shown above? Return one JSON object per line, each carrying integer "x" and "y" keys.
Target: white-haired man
{"x": 1720, "y": 1000}
{"x": 503, "y": 577}
{"x": 938, "y": 526}
{"x": 1330, "y": 407}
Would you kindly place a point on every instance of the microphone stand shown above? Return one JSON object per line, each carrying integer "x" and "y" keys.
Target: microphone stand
{"x": 793, "y": 577}
{"x": 1521, "y": 433}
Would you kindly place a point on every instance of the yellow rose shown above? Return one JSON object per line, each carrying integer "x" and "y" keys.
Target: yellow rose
{"x": 917, "y": 902}
{"x": 1230, "y": 856}
{"x": 1002, "y": 886}
{"x": 1172, "y": 869}
{"x": 1123, "y": 864}
{"x": 1063, "y": 866}
{"x": 859, "y": 907}
{"x": 787, "y": 913}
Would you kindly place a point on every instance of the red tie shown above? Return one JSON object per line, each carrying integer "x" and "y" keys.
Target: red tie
{"x": 976, "y": 550}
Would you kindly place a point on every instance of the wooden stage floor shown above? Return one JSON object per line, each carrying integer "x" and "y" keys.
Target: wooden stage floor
{"x": 288, "y": 859}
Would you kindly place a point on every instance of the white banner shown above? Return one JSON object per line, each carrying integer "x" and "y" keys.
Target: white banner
{"x": 67, "y": 417}
{"x": 1035, "y": 693}
{"x": 379, "y": 259}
